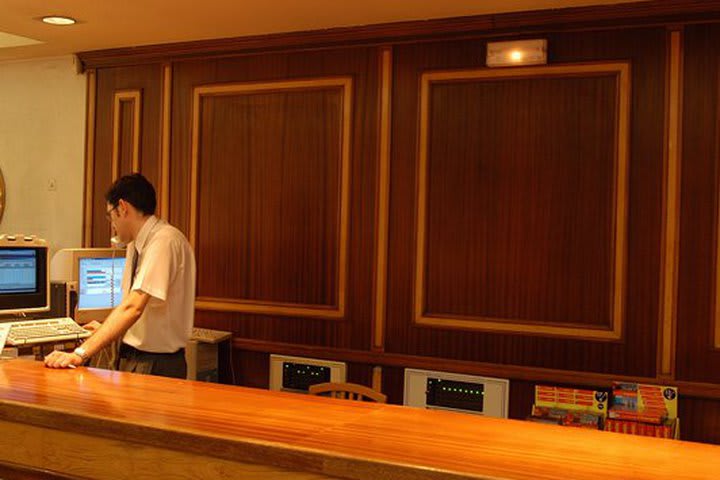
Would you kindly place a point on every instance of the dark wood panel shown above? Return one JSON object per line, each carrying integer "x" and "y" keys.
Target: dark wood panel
{"x": 520, "y": 198}
{"x": 251, "y": 369}
{"x": 636, "y": 354}
{"x": 699, "y": 419}
{"x": 146, "y": 79}
{"x": 539, "y": 21}
{"x": 697, "y": 360}
{"x": 353, "y": 330}
{"x": 270, "y": 196}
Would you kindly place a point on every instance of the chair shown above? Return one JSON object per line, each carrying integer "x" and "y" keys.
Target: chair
{"x": 347, "y": 391}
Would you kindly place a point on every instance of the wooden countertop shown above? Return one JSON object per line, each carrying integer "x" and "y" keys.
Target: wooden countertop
{"x": 331, "y": 437}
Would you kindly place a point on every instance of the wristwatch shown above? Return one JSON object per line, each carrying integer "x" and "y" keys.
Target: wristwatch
{"x": 80, "y": 352}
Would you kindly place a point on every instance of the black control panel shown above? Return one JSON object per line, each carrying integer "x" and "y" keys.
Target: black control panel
{"x": 299, "y": 376}
{"x": 454, "y": 394}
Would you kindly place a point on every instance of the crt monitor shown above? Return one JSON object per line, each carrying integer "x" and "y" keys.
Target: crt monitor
{"x": 94, "y": 278}
{"x": 24, "y": 283}
{"x": 100, "y": 282}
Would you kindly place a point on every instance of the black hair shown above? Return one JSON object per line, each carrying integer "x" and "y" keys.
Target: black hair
{"x": 134, "y": 189}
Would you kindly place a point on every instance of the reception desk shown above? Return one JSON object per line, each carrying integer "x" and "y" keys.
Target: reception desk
{"x": 92, "y": 423}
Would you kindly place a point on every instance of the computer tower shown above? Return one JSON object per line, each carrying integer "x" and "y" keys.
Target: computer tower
{"x": 63, "y": 299}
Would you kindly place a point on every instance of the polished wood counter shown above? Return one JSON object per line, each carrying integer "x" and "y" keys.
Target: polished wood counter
{"x": 98, "y": 424}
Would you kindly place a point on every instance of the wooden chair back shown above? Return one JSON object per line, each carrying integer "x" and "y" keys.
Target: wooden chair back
{"x": 347, "y": 391}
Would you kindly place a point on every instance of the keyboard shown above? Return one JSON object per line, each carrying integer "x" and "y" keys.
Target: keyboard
{"x": 206, "y": 335}
{"x": 46, "y": 330}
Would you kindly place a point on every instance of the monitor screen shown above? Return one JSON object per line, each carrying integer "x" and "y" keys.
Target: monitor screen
{"x": 18, "y": 268}
{"x": 23, "y": 279}
{"x": 100, "y": 282}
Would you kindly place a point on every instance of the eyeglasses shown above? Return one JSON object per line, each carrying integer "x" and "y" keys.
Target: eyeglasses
{"x": 109, "y": 212}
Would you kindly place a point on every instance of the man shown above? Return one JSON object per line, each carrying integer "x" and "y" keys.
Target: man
{"x": 155, "y": 318}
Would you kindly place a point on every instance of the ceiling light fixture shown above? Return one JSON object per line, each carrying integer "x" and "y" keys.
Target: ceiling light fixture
{"x": 58, "y": 20}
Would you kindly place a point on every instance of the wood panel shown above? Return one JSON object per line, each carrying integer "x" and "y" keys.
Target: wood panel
{"x": 698, "y": 298}
{"x": 126, "y": 137}
{"x": 514, "y": 220}
{"x": 636, "y": 353}
{"x": 282, "y": 149}
{"x": 310, "y": 200}
{"x": 671, "y": 207}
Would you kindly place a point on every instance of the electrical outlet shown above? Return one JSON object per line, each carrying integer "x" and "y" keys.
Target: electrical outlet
{"x": 52, "y": 185}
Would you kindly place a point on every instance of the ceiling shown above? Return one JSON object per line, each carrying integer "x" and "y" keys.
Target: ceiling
{"x": 110, "y": 23}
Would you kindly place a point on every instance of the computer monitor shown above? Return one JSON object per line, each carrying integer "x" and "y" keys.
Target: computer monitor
{"x": 95, "y": 274}
{"x": 24, "y": 283}
{"x": 100, "y": 282}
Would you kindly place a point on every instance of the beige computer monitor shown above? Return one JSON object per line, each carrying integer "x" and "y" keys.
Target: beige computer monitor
{"x": 66, "y": 267}
{"x": 23, "y": 257}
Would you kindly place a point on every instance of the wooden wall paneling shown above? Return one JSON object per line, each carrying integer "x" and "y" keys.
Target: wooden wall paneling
{"x": 671, "y": 208}
{"x": 164, "y": 186}
{"x": 222, "y": 216}
{"x": 127, "y": 135}
{"x": 636, "y": 353}
{"x": 360, "y": 373}
{"x": 697, "y": 305}
{"x": 88, "y": 193}
{"x": 393, "y": 381}
{"x": 251, "y": 369}
{"x": 274, "y": 203}
{"x": 609, "y": 83}
{"x": 383, "y": 196}
{"x": 699, "y": 419}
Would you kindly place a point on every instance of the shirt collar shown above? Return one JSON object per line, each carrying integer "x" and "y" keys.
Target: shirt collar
{"x": 144, "y": 233}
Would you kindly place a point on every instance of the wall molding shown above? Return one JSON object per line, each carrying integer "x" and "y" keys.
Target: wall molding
{"x": 345, "y": 84}
{"x": 611, "y": 332}
{"x": 716, "y": 312}
{"x": 671, "y": 207}
{"x": 513, "y": 372}
{"x": 91, "y": 102}
{"x": 658, "y": 12}
{"x": 165, "y": 133}
{"x": 382, "y": 214}
{"x": 133, "y": 97}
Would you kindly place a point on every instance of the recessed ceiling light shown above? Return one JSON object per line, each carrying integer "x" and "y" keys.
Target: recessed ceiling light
{"x": 58, "y": 20}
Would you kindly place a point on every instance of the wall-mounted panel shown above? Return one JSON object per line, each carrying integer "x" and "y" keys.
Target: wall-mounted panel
{"x": 270, "y": 183}
{"x": 526, "y": 210}
{"x": 522, "y": 200}
{"x": 273, "y": 177}
{"x": 698, "y": 308}
{"x": 127, "y": 135}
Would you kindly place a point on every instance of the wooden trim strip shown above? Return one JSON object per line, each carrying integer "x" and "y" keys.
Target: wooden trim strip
{"x": 671, "y": 206}
{"x": 280, "y": 308}
{"x": 91, "y": 99}
{"x": 605, "y": 16}
{"x": 612, "y": 332}
{"x": 268, "y": 308}
{"x": 135, "y": 97}
{"x": 165, "y": 142}
{"x": 377, "y": 379}
{"x": 716, "y": 320}
{"x": 382, "y": 213}
{"x": 513, "y": 372}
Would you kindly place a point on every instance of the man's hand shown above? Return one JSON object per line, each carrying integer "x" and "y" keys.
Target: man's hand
{"x": 58, "y": 359}
{"x": 92, "y": 326}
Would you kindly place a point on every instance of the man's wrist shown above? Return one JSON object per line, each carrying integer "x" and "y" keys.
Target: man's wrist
{"x": 80, "y": 352}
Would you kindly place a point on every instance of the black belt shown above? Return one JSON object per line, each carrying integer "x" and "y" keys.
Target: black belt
{"x": 128, "y": 350}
